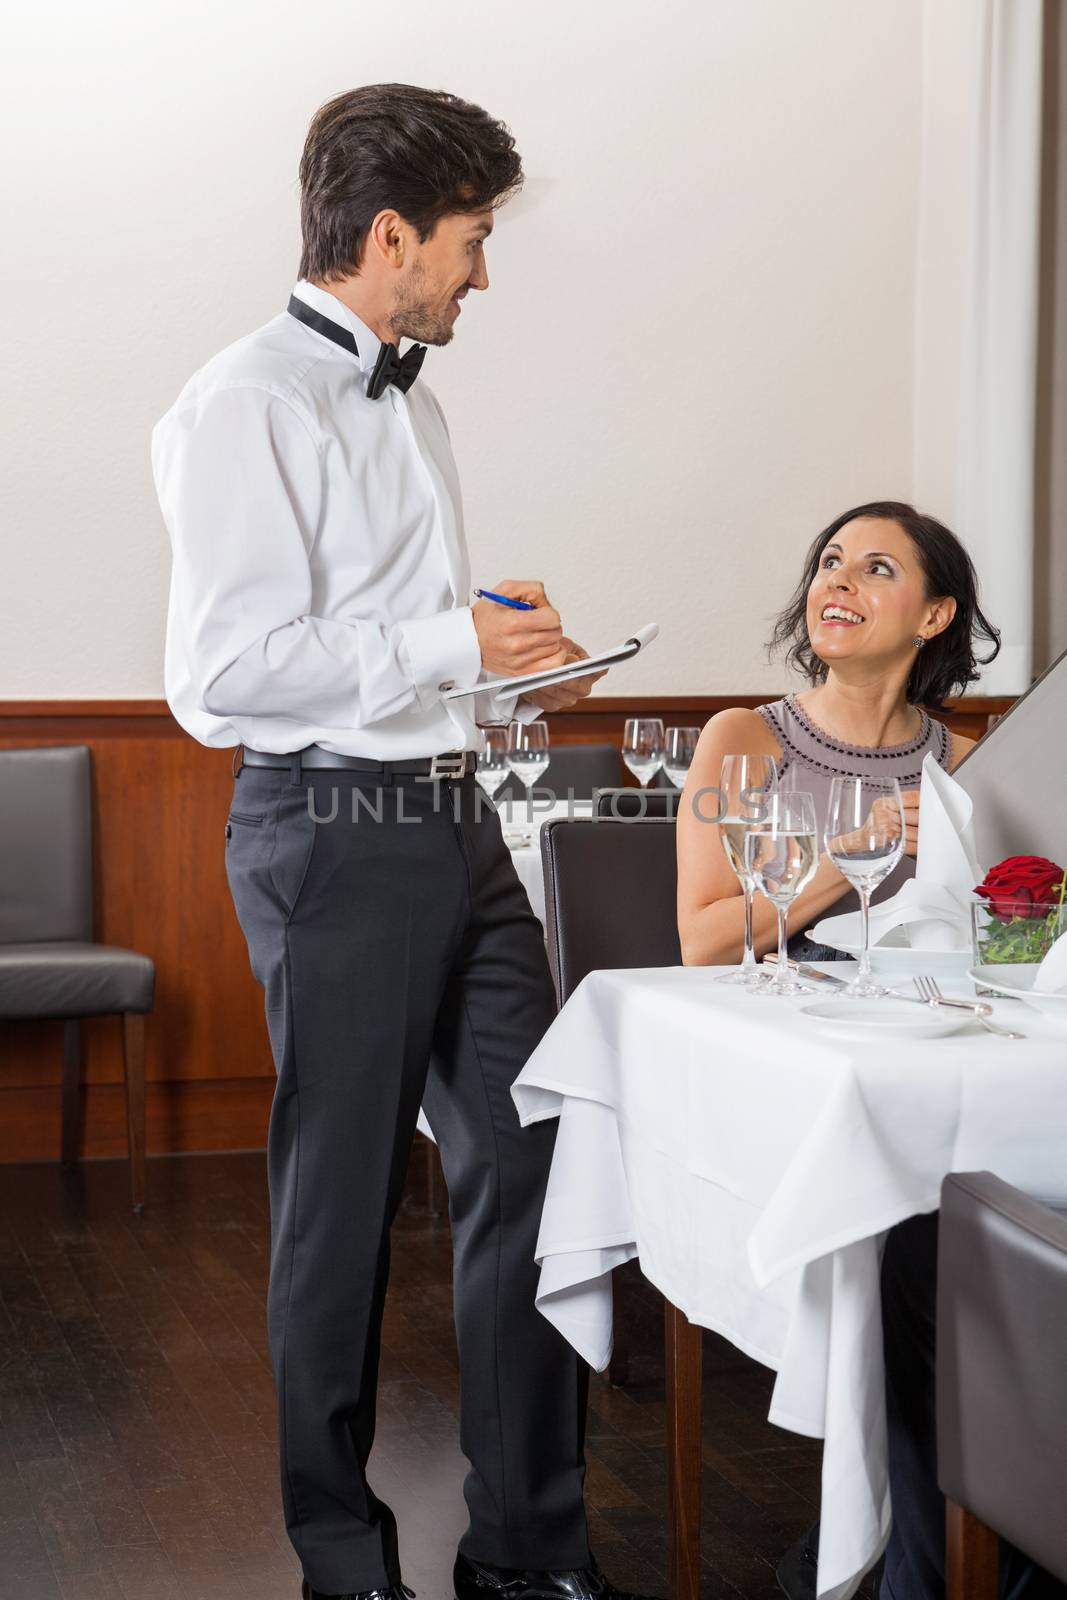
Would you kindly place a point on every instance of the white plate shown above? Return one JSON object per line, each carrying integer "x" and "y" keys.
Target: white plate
{"x": 898, "y": 957}
{"x": 866, "y": 1019}
{"x": 1015, "y": 979}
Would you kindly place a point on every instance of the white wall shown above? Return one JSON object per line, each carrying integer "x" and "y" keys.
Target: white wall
{"x": 697, "y": 348}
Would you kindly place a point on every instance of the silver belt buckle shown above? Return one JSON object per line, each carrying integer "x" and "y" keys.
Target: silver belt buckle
{"x": 451, "y": 765}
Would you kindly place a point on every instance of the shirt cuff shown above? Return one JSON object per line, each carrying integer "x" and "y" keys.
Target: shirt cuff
{"x": 441, "y": 652}
{"x": 500, "y": 705}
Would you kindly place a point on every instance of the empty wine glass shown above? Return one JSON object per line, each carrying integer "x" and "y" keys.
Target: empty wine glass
{"x": 643, "y": 746}
{"x": 865, "y": 840}
{"x": 492, "y": 768}
{"x": 678, "y": 754}
{"x": 782, "y": 856}
{"x": 747, "y": 785}
{"x": 528, "y": 758}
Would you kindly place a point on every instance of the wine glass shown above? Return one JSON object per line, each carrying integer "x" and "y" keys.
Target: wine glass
{"x": 528, "y": 758}
{"x": 678, "y": 754}
{"x": 865, "y": 840}
{"x": 747, "y": 786}
{"x": 643, "y": 746}
{"x": 492, "y": 768}
{"x": 782, "y": 856}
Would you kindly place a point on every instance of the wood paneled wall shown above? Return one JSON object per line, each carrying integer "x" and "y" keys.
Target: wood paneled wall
{"x": 159, "y": 809}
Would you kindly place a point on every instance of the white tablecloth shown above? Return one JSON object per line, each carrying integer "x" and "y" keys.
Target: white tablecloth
{"x": 753, "y": 1162}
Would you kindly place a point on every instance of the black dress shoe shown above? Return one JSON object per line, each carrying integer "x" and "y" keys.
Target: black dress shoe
{"x": 798, "y": 1570}
{"x": 478, "y": 1580}
{"x": 398, "y": 1591}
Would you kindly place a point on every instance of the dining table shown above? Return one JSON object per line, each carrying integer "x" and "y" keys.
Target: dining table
{"x": 752, "y": 1157}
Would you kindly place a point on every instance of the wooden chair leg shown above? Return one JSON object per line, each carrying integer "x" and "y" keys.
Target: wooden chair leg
{"x": 619, "y": 1365}
{"x": 685, "y": 1360}
{"x": 72, "y": 1077}
{"x": 433, "y": 1204}
{"x": 133, "y": 1060}
{"x": 972, "y": 1556}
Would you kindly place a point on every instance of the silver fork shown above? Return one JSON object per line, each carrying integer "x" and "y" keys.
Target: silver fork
{"x": 930, "y": 991}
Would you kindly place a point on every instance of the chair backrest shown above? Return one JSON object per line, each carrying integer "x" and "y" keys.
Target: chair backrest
{"x": 1001, "y": 1393}
{"x": 631, "y": 803}
{"x": 609, "y": 897}
{"x": 46, "y": 872}
{"x": 579, "y": 768}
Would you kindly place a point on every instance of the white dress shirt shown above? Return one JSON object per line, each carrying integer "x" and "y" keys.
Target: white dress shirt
{"x": 320, "y": 585}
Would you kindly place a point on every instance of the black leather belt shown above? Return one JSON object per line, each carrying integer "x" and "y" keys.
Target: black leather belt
{"x": 453, "y": 764}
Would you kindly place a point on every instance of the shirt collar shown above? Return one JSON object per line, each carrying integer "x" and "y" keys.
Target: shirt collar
{"x": 327, "y": 305}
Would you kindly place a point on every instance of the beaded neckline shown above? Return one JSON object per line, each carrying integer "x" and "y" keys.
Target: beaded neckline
{"x": 882, "y": 752}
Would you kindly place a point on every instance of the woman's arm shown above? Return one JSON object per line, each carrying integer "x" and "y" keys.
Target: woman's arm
{"x": 711, "y": 910}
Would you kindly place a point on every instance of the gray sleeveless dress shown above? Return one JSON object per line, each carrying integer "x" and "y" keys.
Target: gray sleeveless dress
{"x": 811, "y": 758}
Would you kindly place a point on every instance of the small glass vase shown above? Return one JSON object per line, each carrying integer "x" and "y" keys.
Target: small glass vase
{"x": 1010, "y": 932}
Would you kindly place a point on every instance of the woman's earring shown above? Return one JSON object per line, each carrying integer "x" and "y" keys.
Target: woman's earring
{"x": 918, "y": 641}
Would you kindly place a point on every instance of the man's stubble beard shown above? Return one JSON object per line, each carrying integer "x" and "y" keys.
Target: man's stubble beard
{"x": 412, "y": 318}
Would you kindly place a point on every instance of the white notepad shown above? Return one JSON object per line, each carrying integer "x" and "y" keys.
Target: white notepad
{"x": 574, "y": 669}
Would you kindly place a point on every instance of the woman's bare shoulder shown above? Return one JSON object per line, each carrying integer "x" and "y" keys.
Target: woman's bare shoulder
{"x": 741, "y": 727}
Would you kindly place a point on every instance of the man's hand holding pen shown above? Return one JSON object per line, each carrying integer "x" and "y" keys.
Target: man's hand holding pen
{"x": 522, "y": 637}
{"x": 519, "y": 631}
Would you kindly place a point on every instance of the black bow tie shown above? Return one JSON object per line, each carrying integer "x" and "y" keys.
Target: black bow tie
{"x": 390, "y": 367}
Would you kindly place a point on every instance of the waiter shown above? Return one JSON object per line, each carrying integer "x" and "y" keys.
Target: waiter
{"x": 319, "y": 611}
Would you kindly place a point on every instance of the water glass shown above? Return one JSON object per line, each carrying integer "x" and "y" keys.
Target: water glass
{"x": 528, "y": 758}
{"x": 747, "y": 786}
{"x": 679, "y": 751}
{"x": 643, "y": 747}
{"x": 865, "y": 840}
{"x": 781, "y": 857}
{"x": 492, "y": 768}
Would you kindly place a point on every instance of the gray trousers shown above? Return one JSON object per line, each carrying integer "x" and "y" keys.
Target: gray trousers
{"x": 402, "y": 964}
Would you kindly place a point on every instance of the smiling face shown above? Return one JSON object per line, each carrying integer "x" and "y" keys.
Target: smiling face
{"x": 868, "y": 597}
{"x": 436, "y": 275}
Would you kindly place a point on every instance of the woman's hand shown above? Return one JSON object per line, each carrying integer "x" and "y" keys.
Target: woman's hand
{"x": 910, "y": 798}
{"x": 884, "y": 819}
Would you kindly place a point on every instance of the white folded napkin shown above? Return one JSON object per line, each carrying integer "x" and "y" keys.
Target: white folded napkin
{"x": 934, "y": 907}
{"x": 1051, "y": 975}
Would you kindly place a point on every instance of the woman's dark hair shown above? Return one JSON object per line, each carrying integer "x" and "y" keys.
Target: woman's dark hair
{"x": 422, "y": 152}
{"x": 947, "y": 663}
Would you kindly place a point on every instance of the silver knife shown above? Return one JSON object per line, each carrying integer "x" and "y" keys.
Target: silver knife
{"x": 804, "y": 969}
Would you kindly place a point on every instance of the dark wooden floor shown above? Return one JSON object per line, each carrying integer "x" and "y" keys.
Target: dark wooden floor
{"x": 137, "y": 1453}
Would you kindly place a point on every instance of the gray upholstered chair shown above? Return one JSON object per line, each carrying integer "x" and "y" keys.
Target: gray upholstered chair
{"x": 610, "y": 890}
{"x": 50, "y": 968}
{"x": 610, "y": 896}
{"x": 1001, "y": 1381}
{"x": 575, "y": 768}
{"x": 629, "y": 803}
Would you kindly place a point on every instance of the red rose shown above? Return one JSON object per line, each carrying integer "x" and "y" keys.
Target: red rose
{"x": 1017, "y": 885}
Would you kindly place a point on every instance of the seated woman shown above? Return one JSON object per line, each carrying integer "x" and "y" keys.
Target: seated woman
{"x": 884, "y": 623}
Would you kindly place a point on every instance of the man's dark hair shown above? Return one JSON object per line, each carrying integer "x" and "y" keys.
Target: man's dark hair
{"x": 422, "y": 152}
{"x": 947, "y": 663}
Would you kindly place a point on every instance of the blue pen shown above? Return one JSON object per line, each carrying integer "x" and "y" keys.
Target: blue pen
{"x": 505, "y": 600}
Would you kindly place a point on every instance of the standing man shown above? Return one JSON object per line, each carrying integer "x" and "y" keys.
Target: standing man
{"x": 319, "y": 610}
